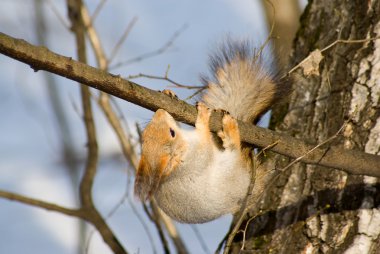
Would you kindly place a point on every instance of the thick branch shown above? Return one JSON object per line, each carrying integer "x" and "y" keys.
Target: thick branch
{"x": 40, "y": 58}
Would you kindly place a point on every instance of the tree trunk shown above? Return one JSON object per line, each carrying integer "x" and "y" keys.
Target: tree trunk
{"x": 314, "y": 209}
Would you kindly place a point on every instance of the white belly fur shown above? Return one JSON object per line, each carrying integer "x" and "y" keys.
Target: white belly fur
{"x": 198, "y": 195}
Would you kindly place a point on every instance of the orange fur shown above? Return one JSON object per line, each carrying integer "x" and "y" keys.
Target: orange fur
{"x": 142, "y": 178}
{"x": 230, "y": 133}
{"x": 161, "y": 154}
{"x": 163, "y": 164}
{"x": 202, "y": 122}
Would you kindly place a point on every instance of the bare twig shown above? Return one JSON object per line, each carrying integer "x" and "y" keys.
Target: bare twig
{"x": 166, "y": 78}
{"x": 94, "y": 39}
{"x": 173, "y": 232}
{"x": 58, "y": 15}
{"x": 155, "y": 216}
{"x": 97, "y": 10}
{"x": 126, "y": 146}
{"x": 42, "y": 204}
{"x": 195, "y": 93}
{"x": 144, "y": 225}
{"x": 154, "y": 53}
{"x": 245, "y": 207}
{"x": 317, "y": 146}
{"x": 200, "y": 238}
{"x": 269, "y": 37}
{"x": 348, "y": 42}
{"x": 75, "y": 8}
{"x": 330, "y": 46}
{"x": 122, "y": 39}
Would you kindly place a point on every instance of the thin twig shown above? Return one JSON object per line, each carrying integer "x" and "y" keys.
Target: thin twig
{"x": 122, "y": 39}
{"x": 141, "y": 75}
{"x": 126, "y": 146}
{"x": 94, "y": 39}
{"x": 173, "y": 232}
{"x": 42, "y": 204}
{"x": 330, "y": 46}
{"x": 155, "y": 215}
{"x": 317, "y": 146}
{"x": 198, "y": 235}
{"x": 195, "y": 93}
{"x": 269, "y": 37}
{"x": 157, "y": 52}
{"x": 144, "y": 225}
{"x": 97, "y": 10}
{"x": 122, "y": 200}
{"x": 245, "y": 207}
{"x": 75, "y": 8}
{"x": 348, "y": 42}
{"x": 58, "y": 14}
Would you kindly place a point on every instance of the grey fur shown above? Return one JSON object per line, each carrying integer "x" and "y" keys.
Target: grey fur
{"x": 239, "y": 83}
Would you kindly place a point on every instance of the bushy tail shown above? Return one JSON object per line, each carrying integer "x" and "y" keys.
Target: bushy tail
{"x": 239, "y": 83}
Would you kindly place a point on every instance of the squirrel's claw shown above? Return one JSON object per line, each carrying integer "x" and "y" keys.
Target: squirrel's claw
{"x": 223, "y": 111}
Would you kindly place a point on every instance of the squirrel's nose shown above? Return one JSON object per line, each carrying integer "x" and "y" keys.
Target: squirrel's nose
{"x": 160, "y": 112}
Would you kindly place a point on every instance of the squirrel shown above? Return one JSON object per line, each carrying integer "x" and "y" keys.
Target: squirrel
{"x": 194, "y": 178}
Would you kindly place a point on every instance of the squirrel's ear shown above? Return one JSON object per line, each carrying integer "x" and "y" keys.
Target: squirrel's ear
{"x": 143, "y": 179}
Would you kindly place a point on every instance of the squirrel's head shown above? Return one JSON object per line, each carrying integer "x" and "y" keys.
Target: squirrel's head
{"x": 162, "y": 149}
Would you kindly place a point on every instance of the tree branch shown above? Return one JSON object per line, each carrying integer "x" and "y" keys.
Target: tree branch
{"x": 85, "y": 191}
{"x": 40, "y": 58}
{"x": 126, "y": 145}
{"x": 42, "y": 204}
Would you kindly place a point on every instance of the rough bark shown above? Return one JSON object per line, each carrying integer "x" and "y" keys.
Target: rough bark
{"x": 314, "y": 209}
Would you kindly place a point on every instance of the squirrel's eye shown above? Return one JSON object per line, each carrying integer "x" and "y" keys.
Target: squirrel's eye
{"x": 172, "y": 132}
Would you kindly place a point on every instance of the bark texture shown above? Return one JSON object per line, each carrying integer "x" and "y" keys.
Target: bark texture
{"x": 314, "y": 209}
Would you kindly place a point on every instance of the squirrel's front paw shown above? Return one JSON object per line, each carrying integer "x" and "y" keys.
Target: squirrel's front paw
{"x": 169, "y": 93}
{"x": 203, "y": 117}
{"x": 230, "y": 134}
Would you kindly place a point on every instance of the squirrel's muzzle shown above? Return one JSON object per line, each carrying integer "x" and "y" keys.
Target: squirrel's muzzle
{"x": 148, "y": 177}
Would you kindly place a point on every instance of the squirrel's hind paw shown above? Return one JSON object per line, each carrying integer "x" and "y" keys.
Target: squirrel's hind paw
{"x": 230, "y": 134}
